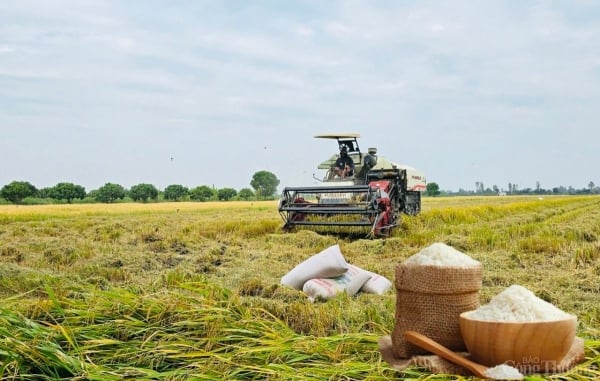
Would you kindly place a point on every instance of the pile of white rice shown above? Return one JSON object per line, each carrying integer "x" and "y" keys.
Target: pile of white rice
{"x": 440, "y": 254}
{"x": 503, "y": 372}
{"x": 518, "y": 304}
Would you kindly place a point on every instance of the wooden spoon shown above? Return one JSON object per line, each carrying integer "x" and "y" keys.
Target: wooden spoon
{"x": 437, "y": 348}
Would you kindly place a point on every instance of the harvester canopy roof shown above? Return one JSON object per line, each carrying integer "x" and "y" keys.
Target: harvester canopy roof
{"x": 344, "y": 139}
{"x": 340, "y": 135}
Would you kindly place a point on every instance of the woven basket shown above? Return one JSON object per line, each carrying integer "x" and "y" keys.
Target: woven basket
{"x": 429, "y": 300}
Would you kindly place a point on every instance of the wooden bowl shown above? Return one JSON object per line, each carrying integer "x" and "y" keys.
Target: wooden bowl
{"x": 534, "y": 345}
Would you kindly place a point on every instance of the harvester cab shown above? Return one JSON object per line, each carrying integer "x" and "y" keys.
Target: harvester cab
{"x": 362, "y": 162}
{"x": 375, "y": 196}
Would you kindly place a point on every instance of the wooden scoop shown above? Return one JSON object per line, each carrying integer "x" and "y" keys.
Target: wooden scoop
{"x": 435, "y": 347}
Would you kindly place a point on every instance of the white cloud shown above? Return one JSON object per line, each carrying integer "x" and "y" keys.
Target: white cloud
{"x": 6, "y": 49}
{"x": 337, "y": 29}
{"x": 437, "y": 28}
{"x": 304, "y": 31}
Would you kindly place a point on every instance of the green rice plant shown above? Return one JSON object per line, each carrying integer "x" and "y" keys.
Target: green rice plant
{"x": 451, "y": 216}
{"x": 178, "y": 276}
{"x": 540, "y": 244}
{"x": 254, "y": 287}
{"x": 103, "y": 274}
{"x": 61, "y": 256}
{"x": 109, "y": 232}
{"x": 31, "y": 350}
{"x": 12, "y": 253}
{"x": 253, "y": 229}
{"x": 18, "y": 280}
{"x": 587, "y": 254}
{"x": 484, "y": 238}
{"x": 151, "y": 235}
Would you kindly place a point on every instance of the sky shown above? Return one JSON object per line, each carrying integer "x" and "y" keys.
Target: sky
{"x": 210, "y": 92}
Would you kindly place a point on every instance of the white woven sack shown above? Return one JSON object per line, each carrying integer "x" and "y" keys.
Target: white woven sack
{"x": 326, "y": 288}
{"x": 377, "y": 284}
{"x": 328, "y": 263}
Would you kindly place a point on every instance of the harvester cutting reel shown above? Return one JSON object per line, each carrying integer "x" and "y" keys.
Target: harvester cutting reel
{"x": 341, "y": 206}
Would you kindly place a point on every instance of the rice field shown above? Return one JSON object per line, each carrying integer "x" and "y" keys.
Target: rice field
{"x": 191, "y": 291}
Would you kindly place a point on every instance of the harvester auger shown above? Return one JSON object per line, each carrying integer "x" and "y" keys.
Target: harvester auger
{"x": 374, "y": 197}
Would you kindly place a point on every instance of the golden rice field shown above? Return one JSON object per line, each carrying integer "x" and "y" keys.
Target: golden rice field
{"x": 191, "y": 291}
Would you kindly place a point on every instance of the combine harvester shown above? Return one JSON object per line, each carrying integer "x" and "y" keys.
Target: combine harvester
{"x": 373, "y": 197}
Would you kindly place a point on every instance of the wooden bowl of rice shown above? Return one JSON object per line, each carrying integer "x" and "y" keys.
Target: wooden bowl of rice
{"x": 519, "y": 330}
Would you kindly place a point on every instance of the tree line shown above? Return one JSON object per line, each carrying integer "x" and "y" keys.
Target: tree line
{"x": 433, "y": 189}
{"x": 264, "y": 186}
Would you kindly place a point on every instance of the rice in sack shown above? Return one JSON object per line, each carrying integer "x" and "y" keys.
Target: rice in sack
{"x": 326, "y": 264}
{"x": 433, "y": 287}
{"x": 378, "y": 284}
{"x": 326, "y": 288}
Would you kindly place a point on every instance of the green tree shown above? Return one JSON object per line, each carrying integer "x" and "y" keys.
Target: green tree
{"x": 175, "y": 192}
{"x": 202, "y": 193}
{"x": 246, "y": 194}
{"x": 143, "y": 192}
{"x": 66, "y": 191}
{"x": 45, "y": 192}
{"x": 265, "y": 184}
{"x": 110, "y": 193}
{"x": 16, "y": 191}
{"x": 226, "y": 194}
{"x": 433, "y": 189}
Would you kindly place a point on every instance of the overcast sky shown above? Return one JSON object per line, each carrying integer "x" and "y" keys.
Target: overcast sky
{"x": 210, "y": 92}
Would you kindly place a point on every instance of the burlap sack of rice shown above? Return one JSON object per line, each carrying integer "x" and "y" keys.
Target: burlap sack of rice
{"x": 429, "y": 300}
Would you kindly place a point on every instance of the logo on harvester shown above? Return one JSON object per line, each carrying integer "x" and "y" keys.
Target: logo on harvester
{"x": 335, "y": 198}
{"x": 418, "y": 187}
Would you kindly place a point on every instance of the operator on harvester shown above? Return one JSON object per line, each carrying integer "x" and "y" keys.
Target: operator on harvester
{"x": 344, "y": 165}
